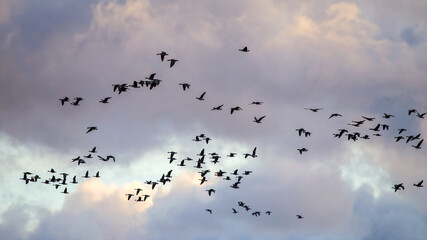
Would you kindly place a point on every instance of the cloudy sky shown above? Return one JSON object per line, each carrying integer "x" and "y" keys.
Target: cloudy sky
{"x": 356, "y": 58}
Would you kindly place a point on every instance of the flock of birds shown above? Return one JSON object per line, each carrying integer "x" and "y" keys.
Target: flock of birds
{"x": 234, "y": 176}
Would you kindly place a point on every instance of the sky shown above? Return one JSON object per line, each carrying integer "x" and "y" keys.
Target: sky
{"x": 355, "y": 58}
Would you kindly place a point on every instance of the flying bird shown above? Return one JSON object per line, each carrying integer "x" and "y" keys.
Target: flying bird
{"x": 314, "y": 109}
{"x": 235, "y": 109}
{"x": 387, "y": 116}
{"x": 173, "y": 61}
{"x": 335, "y": 115}
{"x": 245, "y": 49}
{"x": 420, "y": 184}
{"x": 104, "y": 100}
{"x": 301, "y": 150}
{"x": 201, "y": 98}
{"x": 418, "y": 146}
{"x": 258, "y": 120}
{"x": 162, "y": 55}
{"x": 218, "y": 107}
{"x": 90, "y": 129}
{"x": 185, "y": 86}
{"x": 93, "y": 150}
{"x": 397, "y": 187}
{"x": 210, "y": 191}
{"x": 63, "y": 100}
{"x": 256, "y": 103}
{"x": 300, "y": 217}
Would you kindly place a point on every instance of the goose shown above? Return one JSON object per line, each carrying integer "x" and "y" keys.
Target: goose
{"x": 335, "y": 115}
{"x": 314, "y": 109}
{"x": 86, "y": 175}
{"x": 301, "y": 150}
{"x": 268, "y": 213}
{"x": 63, "y": 100}
{"x": 256, "y": 103}
{"x": 418, "y": 146}
{"x": 420, "y": 184}
{"x": 258, "y": 120}
{"x": 97, "y": 175}
{"x": 172, "y": 62}
{"x": 421, "y": 115}
{"x": 162, "y": 55}
{"x": 138, "y": 190}
{"x": 387, "y": 116}
{"x": 375, "y": 129}
{"x": 218, "y": 107}
{"x": 90, "y": 129}
{"x": 245, "y": 49}
{"x": 65, "y": 191}
{"x": 185, "y": 86}
{"x": 410, "y": 111}
{"x": 209, "y": 211}
{"x": 129, "y": 195}
{"x": 234, "y": 211}
{"x": 397, "y": 187}
{"x": 93, "y": 150}
{"x": 368, "y": 118}
{"x": 74, "y": 180}
{"x": 300, "y": 217}
{"x": 210, "y": 191}
{"x": 201, "y": 98}
{"x": 235, "y": 109}
{"x": 300, "y": 131}
{"x": 401, "y": 130}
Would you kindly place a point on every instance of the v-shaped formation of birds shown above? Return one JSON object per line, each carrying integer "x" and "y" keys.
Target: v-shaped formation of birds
{"x": 233, "y": 176}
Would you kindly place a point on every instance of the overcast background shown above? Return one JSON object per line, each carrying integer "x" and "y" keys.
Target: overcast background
{"x": 349, "y": 57}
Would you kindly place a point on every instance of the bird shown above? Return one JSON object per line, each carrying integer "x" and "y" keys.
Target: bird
{"x": 185, "y": 86}
{"x": 398, "y": 187}
{"x": 335, "y": 115}
{"x": 410, "y": 111}
{"x": 209, "y": 211}
{"x": 245, "y": 49}
{"x": 65, "y": 191}
{"x": 104, "y": 100}
{"x": 210, "y": 191}
{"x": 173, "y": 61}
{"x": 268, "y": 212}
{"x": 74, "y": 180}
{"x": 51, "y": 171}
{"x": 151, "y": 77}
{"x": 90, "y": 129}
{"x": 375, "y": 129}
{"x": 93, "y": 150}
{"x": 420, "y": 184}
{"x": 162, "y": 55}
{"x": 256, "y": 103}
{"x": 77, "y": 101}
{"x": 138, "y": 190}
{"x": 201, "y": 98}
{"x": 207, "y": 140}
{"x": 63, "y": 100}
{"x": 398, "y": 138}
{"x": 234, "y": 211}
{"x": 235, "y": 109}
{"x": 300, "y": 131}
{"x": 418, "y": 146}
{"x": 232, "y": 154}
{"x": 111, "y": 157}
{"x": 300, "y": 217}
{"x": 421, "y": 115}
{"x": 368, "y": 118}
{"x": 88, "y": 156}
{"x": 387, "y": 116}
{"x": 314, "y": 109}
{"x": 258, "y": 120}
{"x": 129, "y": 195}
{"x": 301, "y": 150}
{"x": 97, "y": 175}
{"x": 256, "y": 214}
{"x": 218, "y": 107}
{"x": 86, "y": 175}
{"x": 401, "y": 130}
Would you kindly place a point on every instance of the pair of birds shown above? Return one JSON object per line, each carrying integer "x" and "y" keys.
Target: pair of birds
{"x": 163, "y": 54}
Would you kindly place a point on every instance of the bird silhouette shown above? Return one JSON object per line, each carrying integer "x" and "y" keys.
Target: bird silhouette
{"x": 185, "y": 86}
{"x": 201, "y": 98}
{"x": 210, "y": 191}
{"x": 314, "y": 109}
{"x": 387, "y": 116}
{"x": 90, "y": 129}
{"x": 258, "y": 120}
{"x": 397, "y": 187}
{"x": 421, "y": 115}
{"x": 218, "y": 107}
{"x": 301, "y": 150}
{"x": 256, "y": 103}
{"x": 420, "y": 184}
{"x": 65, "y": 191}
{"x": 300, "y": 217}
{"x": 63, "y": 100}
{"x": 335, "y": 115}
{"x": 418, "y": 146}
{"x": 245, "y": 49}
{"x": 162, "y": 55}
{"x": 172, "y": 62}
{"x": 209, "y": 211}
{"x": 235, "y": 109}
{"x": 105, "y": 100}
